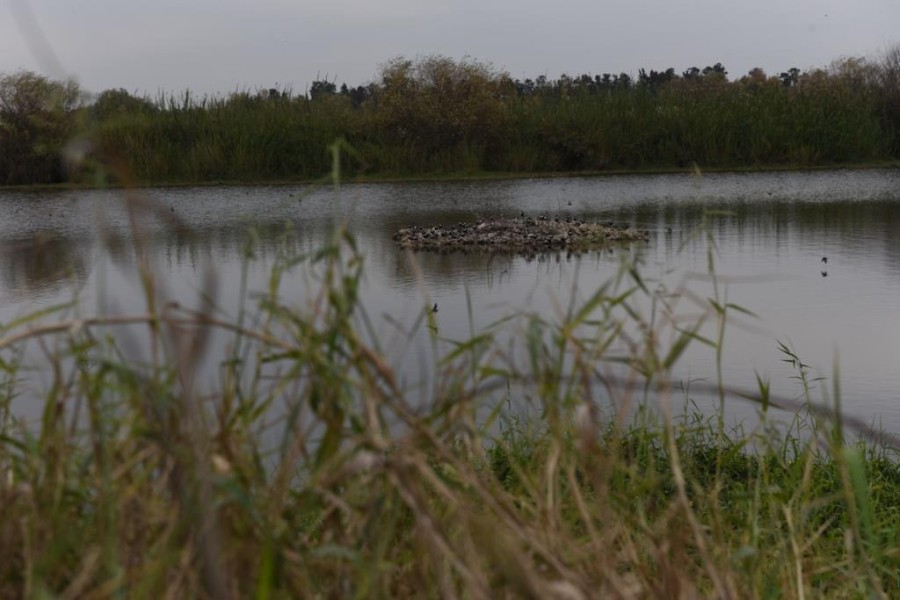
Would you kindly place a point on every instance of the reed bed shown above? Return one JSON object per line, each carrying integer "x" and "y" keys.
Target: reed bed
{"x": 434, "y": 116}
{"x": 424, "y": 131}
{"x": 309, "y": 470}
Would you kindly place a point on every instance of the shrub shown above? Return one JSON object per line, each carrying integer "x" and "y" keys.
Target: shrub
{"x": 36, "y": 121}
{"x": 435, "y": 104}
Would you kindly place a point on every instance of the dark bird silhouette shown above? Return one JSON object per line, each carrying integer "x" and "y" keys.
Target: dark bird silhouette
{"x": 434, "y": 308}
{"x": 824, "y": 273}
{"x": 825, "y": 259}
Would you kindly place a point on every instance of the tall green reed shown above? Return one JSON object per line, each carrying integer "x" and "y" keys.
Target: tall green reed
{"x": 436, "y": 116}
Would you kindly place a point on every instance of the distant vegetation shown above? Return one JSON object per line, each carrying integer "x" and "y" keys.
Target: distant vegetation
{"x": 436, "y": 115}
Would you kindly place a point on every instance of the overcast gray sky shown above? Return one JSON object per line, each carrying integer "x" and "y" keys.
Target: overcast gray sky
{"x": 218, "y": 46}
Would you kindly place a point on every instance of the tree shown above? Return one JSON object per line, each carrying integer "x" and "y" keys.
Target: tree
{"x": 113, "y": 102}
{"x": 857, "y": 72}
{"x": 889, "y": 82}
{"x": 717, "y": 71}
{"x": 889, "y": 68}
{"x": 321, "y": 88}
{"x": 692, "y": 73}
{"x": 654, "y": 80}
{"x": 790, "y": 78}
{"x": 36, "y": 121}
{"x": 358, "y": 95}
{"x": 756, "y": 75}
{"x": 436, "y": 103}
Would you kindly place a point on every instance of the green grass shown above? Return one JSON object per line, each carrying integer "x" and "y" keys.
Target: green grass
{"x": 567, "y": 476}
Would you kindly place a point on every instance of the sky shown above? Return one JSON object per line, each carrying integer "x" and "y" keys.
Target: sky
{"x": 221, "y": 46}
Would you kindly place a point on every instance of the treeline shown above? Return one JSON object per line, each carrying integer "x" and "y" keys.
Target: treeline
{"x": 437, "y": 115}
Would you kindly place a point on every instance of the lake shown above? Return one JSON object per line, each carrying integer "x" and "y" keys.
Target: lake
{"x": 771, "y": 232}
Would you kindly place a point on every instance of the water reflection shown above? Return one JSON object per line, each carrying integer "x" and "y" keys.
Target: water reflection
{"x": 769, "y": 232}
{"x": 42, "y": 265}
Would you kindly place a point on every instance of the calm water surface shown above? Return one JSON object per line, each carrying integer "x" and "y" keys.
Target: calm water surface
{"x": 770, "y": 232}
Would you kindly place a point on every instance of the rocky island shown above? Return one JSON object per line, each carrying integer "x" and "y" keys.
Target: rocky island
{"x": 524, "y": 234}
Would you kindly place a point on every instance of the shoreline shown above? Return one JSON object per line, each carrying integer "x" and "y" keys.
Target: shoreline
{"x": 458, "y": 177}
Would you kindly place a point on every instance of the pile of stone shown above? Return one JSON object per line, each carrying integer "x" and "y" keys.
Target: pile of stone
{"x": 525, "y": 234}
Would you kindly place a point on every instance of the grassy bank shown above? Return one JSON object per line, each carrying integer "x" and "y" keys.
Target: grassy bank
{"x": 435, "y": 116}
{"x": 309, "y": 470}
